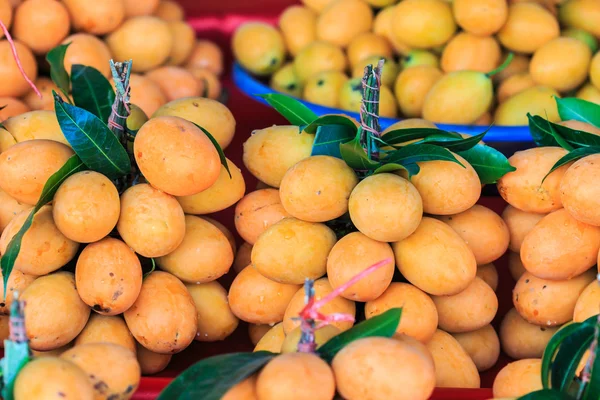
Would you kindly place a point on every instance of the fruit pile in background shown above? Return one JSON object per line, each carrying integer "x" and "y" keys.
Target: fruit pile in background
{"x": 168, "y": 61}
{"x": 440, "y": 56}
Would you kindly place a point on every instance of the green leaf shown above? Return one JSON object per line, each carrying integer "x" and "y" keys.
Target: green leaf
{"x": 331, "y": 120}
{"x": 572, "y": 156}
{"x": 391, "y": 167}
{"x": 454, "y": 144}
{"x": 546, "y": 394}
{"x": 328, "y": 139}
{"x": 408, "y": 156}
{"x": 383, "y": 325}
{"x": 552, "y": 348}
{"x": 59, "y": 75}
{"x": 398, "y": 136}
{"x": 489, "y": 163}
{"x": 541, "y": 133}
{"x": 92, "y": 140}
{"x": 212, "y": 377}
{"x": 72, "y": 166}
{"x": 151, "y": 270}
{"x": 592, "y": 390}
{"x": 565, "y": 137}
{"x": 580, "y": 110}
{"x": 16, "y": 355}
{"x": 291, "y": 109}
{"x": 92, "y": 91}
{"x": 570, "y": 352}
{"x": 218, "y": 147}
{"x": 355, "y": 156}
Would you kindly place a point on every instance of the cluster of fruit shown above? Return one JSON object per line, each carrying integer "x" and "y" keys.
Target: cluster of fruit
{"x": 442, "y": 57}
{"x": 169, "y": 63}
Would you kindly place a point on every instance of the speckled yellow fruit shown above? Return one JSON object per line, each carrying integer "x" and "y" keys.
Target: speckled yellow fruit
{"x": 467, "y": 51}
{"x": 163, "y": 318}
{"x": 15, "y": 84}
{"x": 453, "y": 366}
{"x": 106, "y": 329}
{"x": 215, "y": 319}
{"x": 52, "y": 353}
{"x": 580, "y": 126}
{"x": 523, "y": 188}
{"x": 322, "y": 335}
{"x": 518, "y": 378}
{"x": 343, "y": 20}
{"x": 548, "y": 303}
{"x": 25, "y": 167}
{"x": 411, "y": 88}
{"x": 258, "y": 47}
{"x": 259, "y": 300}
{"x": 96, "y": 17}
{"x": 482, "y": 345}
{"x": 113, "y": 370}
{"x": 324, "y": 88}
{"x": 43, "y": 248}
{"x": 378, "y": 198}
{"x": 444, "y": 252}
{"x": 270, "y": 152}
{"x": 292, "y": 250}
{"x": 528, "y": 27}
{"x": 151, "y": 362}
{"x": 286, "y": 81}
{"x": 582, "y": 14}
{"x": 489, "y": 274}
{"x": 484, "y": 231}
{"x": 390, "y": 69}
{"x": 514, "y": 85}
{"x": 423, "y": 24}
{"x": 6, "y": 13}
{"x": 587, "y": 303}
{"x": 351, "y": 255}
{"x": 272, "y": 340}
{"x": 298, "y": 25}
{"x": 319, "y": 56}
{"x": 519, "y": 224}
{"x": 521, "y": 339}
{"x": 419, "y": 315}
{"x": 480, "y": 17}
{"x": 316, "y": 5}
{"x": 50, "y": 328}
{"x": 32, "y": 125}
{"x": 362, "y": 370}
{"x": 136, "y": 118}
{"x": 43, "y": 378}
{"x": 256, "y": 212}
{"x": 322, "y": 289}
{"x": 17, "y": 282}
{"x": 9, "y": 208}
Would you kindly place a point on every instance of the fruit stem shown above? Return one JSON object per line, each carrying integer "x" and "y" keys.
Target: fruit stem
{"x": 501, "y": 68}
{"x": 369, "y": 109}
{"x": 307, "y": 342}
{"x": 120, "y": 109}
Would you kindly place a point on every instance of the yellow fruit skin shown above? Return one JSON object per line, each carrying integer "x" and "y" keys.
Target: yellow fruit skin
{"x": 258, "y": 331}
{"x": 587, "y": 303}
{"x": 518, "y": 378}
{"x": 15, "y": 84}
{"x": 319, "y": 56}
{"x": 272, "y": 340}
{"x": 316, "y": 5}
{"x": 595, "y": 71}
{"x": 489, "y": 274}
{"x": 9, "y": 208}
{"x": 368, "y": 45}
{"x": 215, "y": 319}
{"x": 519, "y": 224}
{"x": 145, "y": 94}
{"x": 35, "y": 125}
{"x": 382, "y": 25}
{"x": 480, "y": 17}
{"x": 390, "y": 69}
{"x": 343, "y": 20}
{"x": 538, "y": 100}
{"x": 520, "y": 339}
{"x": 482, "y": 345}
{"x": 206, "y": 54}
{"x": 519, "y": 64}
{"x": 453, "y": 365}
{"x": 6, "y": 140}
{"x": 96, "y": 17}
{"x": 298, "y": 25}
{"x": 17, "y": 282}
{"x": 324, "y": 88}
{"x": 529, "y": 26}
{"x": 423, "y": 24}
{"x": 150, "y": 362}
{"x": 41, "y": 31}
{"x": 285, "y": 80}
{"x": 245, "y": 390}
{"x": 169, "y": 11}
{"x": 515, "y": 266}
{"x": 467, "y": 51}
{"x": 322, "y": 335}
{"x": 176, "y": 82}
{"x": 259, "y": 48}
{"x": 86, "y": 49}
{"x": 106, "y": 329}
{"x": 256, "y": 212}
{"x": 513, "y": 85}
{"x": 411, "y": 88}
{"x": 582, "y": 14}
{"x": 577, "y": 194}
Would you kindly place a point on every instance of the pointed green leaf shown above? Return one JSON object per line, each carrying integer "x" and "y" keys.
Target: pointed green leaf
{"x": 212, "y": 377}
{"x": 552, "y": 348}
{"x": 570, "y": 352}
{"x": 355, "y": 156}
{"x": 92, "y": 91}
{"x": 542, "y": 134}
{"x": 398, "y": 136}
{"x": 592, "y": 390}
{"x": 291, "y": 109}
{"x": 391, "y": 167}
{"x": 565, "y": 137}
{"x": 383, "y": 325}
{"x": 573, "y": 155}
{"x": 92, "y": 140}
{"x": 577, "y": 138}
{"x": 454, "y": 144}
{"x": 331, "y": 120}
{"x": 218, "y": 147}
{"x": 489, "y": 163}
{"x": 56, "y": 59}
{"x": 580, "y": 110}
{"x": 414, "y": 153}
{"x": 72, "y": 166}
{"x": 546, "y": 394}
{"x": 328, "y": 139}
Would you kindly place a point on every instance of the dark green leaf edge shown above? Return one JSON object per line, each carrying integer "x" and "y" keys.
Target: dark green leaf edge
{"x": 58, "y": 73}
{"x": 222, "y": 157}
{"x": 573, "y": 155}
{"x": 291, "y": 109}
{"x": 568, "y": 110}
{"x": 85, "y": 90}
{"x": 330, "y": 120}
{"x": 356, "y": 157}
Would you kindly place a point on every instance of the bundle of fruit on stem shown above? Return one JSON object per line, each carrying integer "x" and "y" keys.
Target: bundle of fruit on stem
{"x": 441, "y": 56}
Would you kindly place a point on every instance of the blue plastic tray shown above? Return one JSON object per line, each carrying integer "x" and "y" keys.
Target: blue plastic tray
{"x": 250, "y": 86}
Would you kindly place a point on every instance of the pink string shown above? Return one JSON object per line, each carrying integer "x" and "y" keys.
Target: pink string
{"x": 18, "y": 61}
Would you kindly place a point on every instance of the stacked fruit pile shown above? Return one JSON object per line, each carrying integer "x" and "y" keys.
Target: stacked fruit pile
{"x": 441, "y": 57}
{"x": 169, "y": 63}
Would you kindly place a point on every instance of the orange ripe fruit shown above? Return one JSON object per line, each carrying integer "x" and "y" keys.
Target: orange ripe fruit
{"x": 87, "y": 50}
{"x": 96, "y": 17}
{"x": 175, "y": 82}
{"x": 46, "y": 102}
{"x": 11, "y": 107}
{"x": 207, "y": 55}
{"x": 134, "y": 8}
{"x": 6, "y": 14}
{"x": 13, "y": 82}
{"x": 169, "y": 11}
{"x": 145, "y": 93}
{"x": 41, "y": 24}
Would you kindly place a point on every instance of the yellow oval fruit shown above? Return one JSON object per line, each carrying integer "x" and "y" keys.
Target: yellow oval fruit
{"x": 256, "y": 212}
{"x": 548, "y": 303}
{"x": 46, "y": 376}
{"x": 322, "y": 335}
{"x": 35, "y": 125}
{"x": 12, "y": 107}
{"x": 169, "y": 11}
{"x": 420, "y": 317}
{"x": 43, "y": 247}
{"x": 562, "y": 64}
{"x": 215, "y": 319}
{"x": 175, "y": 82}
{"x": 411, "y": 88}
{"x": 108, "y": 276}
{"x": 377, "y": 198}
{"x": 390, "y": 69}
{"x": 453, "y": 366}
{"x": 369, "y": 45}
{"x": 9, "y": 208}
{"x": 48, "y": 329}
{"x": 305, "y": 375}
{"x": 469, "y": 310}
{"x": 258, "y": 331}
{"x": 479, "y": 17}
{"x": 163, "y": 318}
{"x": 86, "y": 49}
{"x": 6, "y": 13}
{"x": 515, "y": 265}
{"x": 225, "y": 231}
{"x": 25, "y": 167}
{"x": 521, "y": 339}
{"x": 409, "y": 123}
{"x": 423, "y": 24}
{"x": 150, "y": 362}
{"x": 145, "y": 94}
{"x": 582, "y": 14}
{"x": 298, "y": 25}
{"x": 106, "y": 329}
{"x": 382, "y": 25}
{"x": 416, "y": 58}
{"x": 41, "y": 32}
{"x": 207, "y": 113}
{"x": 270, "y": 152}
{"x": 523, "y": 188}
{"x": 272, "y": 340}
{"x": 577, "y": 194}
{"x": 206, "y": 54}
{"x": 258, "y": 47}
{"x": 444, "y": 252}
{"x": 152, "y": 223}
{"x": 528, "y": 27}
{"x": 316, "y": 5}
{"x": 589, "y": 92}
{"x": 146, "y": 40}
{"x": 204, "y": 255}
{"x": 319, "y": 56}
{"x": 113, "y": 370}
{"x": 467, "y": 51}
{"x": 489, "y": 274}
{"x": 285, "y": 80}
{"x": 259, "y": 300}
{"x": 322, "y": 289}
{"x": 17, "y": 282}
{"x": 484, "y": 231}
{"x": 15, "y": 84}
{"x": 513, "y": 85}
{"x": 519, "y": 224}
{"x": 136, "y": 119}
{"x": 210, "y": 86}
{"x": 324, "y": 88}
{"x": 292, "y": 250}
{"x": 96, "y": 17}
{"x": 415, "y": 379}
{"x": 245, "y": 390}
{"x": 519, "y": 64}
{"x": 311, "y": 195}
{"x": 86, "y": 207}
{"x": 587, "y": 303}
{"x": 135, "y": 8}
{"x": 482, "y": 345}
{"x": 518, "y": 378}
{"x": 183, "y": 39}
{"x": 353, "y": 254}
{"x": 6, "y": 140}
{"x": 343, "y": 20}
